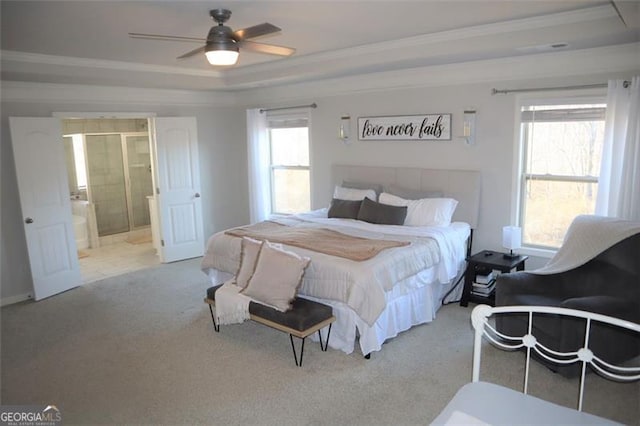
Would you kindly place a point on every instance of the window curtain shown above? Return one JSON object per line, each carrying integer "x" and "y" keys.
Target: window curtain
{"x": 619, "y": 182}
{"x": 259, "y": 174}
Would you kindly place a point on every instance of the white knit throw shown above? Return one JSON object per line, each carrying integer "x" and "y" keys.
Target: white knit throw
{"x": 587, "y": 237}
{"x": 231, "y": 306}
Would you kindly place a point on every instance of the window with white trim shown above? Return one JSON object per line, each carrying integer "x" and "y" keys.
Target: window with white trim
{"x": 289, "y": 163}
{"x": 561, "y": 149}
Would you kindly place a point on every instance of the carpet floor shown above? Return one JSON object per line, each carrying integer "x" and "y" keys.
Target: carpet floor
{"x": 140, "y": 349}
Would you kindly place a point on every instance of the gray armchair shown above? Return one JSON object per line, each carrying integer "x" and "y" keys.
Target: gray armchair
{"x": 607, "y": 284}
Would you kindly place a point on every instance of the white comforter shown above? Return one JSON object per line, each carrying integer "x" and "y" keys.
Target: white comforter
{"x": 361, "y": 285}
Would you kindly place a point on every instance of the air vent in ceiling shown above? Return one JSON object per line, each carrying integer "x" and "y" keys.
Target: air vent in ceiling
{"x": 543, "y": 47}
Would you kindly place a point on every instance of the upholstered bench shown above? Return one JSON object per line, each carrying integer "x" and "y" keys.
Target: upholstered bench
{"x": 305, "y": 318}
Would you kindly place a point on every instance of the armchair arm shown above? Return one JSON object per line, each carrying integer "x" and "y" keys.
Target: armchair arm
{"x": 517, "y": 283}
{"x": 612, "y": 345}
{"x": 605, "y": 305}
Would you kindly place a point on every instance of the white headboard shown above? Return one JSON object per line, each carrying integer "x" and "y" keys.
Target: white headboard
{"x": 462, "y": 185}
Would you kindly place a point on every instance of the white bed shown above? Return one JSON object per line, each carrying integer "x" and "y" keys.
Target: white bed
{"x": 376, "y": 299}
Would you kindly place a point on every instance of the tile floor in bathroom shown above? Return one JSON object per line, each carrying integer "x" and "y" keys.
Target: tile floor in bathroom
{"x": 116, "y": 259}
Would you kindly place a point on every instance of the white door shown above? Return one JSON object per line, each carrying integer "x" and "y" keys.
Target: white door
{"x": 178, "y": 188}
{"x": 46, "y": 209}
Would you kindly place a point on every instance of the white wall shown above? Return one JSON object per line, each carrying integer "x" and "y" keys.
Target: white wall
{"x": 223, "y": 168}
{"x": 492, "y": 154}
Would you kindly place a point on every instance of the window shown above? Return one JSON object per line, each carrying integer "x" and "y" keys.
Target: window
{"x": 289, "y": 163}
{"x": 78, "y": 156}
{"x": 561, "y": 149}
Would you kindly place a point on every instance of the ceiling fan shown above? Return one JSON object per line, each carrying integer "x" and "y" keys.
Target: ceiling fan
{"x": 222, "y": 44}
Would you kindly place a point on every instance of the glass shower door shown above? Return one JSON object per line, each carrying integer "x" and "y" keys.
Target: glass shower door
{"x": 107, "y": 183}
{"x": 140, "y": 182}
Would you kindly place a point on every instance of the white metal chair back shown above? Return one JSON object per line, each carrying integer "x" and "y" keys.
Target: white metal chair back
{"x": 482, "y": 313}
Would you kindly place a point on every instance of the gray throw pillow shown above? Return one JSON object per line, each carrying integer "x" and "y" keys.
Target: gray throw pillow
{"x": 382, "y": 214}
{"x": 345, "y": 209}
{"x": 413, "y": 194}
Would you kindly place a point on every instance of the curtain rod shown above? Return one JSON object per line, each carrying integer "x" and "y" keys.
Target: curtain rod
{"x": 544, "y": 89}
{"x": 313, "y": 105}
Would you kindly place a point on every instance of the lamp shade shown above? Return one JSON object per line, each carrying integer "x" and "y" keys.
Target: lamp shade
{"x": 221, "y": 53}
{"x": 512, "y": 237}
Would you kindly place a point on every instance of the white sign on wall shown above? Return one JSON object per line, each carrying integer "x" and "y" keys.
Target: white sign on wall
{"x": 405, "y": 127}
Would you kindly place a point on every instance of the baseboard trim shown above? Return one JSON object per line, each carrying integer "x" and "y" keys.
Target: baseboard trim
{"x": 15, "y": 299}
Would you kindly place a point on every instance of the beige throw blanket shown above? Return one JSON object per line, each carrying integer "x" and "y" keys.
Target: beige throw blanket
{"x": 232, "y": 307}
{"x": 587, "y": 237}
{"x": 317, "y": 239}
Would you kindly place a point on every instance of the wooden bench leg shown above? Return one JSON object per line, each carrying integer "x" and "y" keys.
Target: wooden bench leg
{"x": 295, "y": 357}
{"x": 216, "y": 327}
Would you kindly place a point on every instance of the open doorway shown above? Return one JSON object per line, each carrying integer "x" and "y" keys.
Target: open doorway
{"x": 111, "y": 189}
{"x": 42, "y": 177}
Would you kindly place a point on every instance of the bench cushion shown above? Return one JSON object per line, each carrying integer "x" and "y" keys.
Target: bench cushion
{"x": 303, "y": 315}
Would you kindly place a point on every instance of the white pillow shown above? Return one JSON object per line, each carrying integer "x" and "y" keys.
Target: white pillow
{"x": 249, "y": 250}
{"x": 277, "y": 276}
{"x": 424, "y": 212}
{"x": 342, "y": 193}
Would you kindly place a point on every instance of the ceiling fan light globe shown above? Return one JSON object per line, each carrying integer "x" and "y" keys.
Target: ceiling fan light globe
{"x": 222, "y": 53}
{"x": 222, "y": 57}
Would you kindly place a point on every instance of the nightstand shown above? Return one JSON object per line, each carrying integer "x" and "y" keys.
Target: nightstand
{"x": 482, "y": 263}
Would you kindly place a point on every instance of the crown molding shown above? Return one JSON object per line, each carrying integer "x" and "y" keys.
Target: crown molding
{"x": 415, "y": 42}
{"x": 601, "y": 60}
{"x": 71, "y": 61}
{"x": 18, "y": 91}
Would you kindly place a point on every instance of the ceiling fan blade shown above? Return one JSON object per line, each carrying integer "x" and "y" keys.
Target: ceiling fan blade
{"x": 270, "y": 49}
{"x": 193, "y": 52}
{"x": 167, "y": 37}
{"x": 255, "y": 31}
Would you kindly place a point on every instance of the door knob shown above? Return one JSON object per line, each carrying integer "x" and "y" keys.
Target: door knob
{"x": 28, "y": 220}
{"x": 197, "y": 195}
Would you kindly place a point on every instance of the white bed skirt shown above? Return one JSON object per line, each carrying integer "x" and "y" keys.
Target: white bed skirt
{"x": 412, "y": 301}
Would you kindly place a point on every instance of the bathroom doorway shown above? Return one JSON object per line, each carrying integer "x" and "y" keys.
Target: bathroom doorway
{"x": 110, "y": 185}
